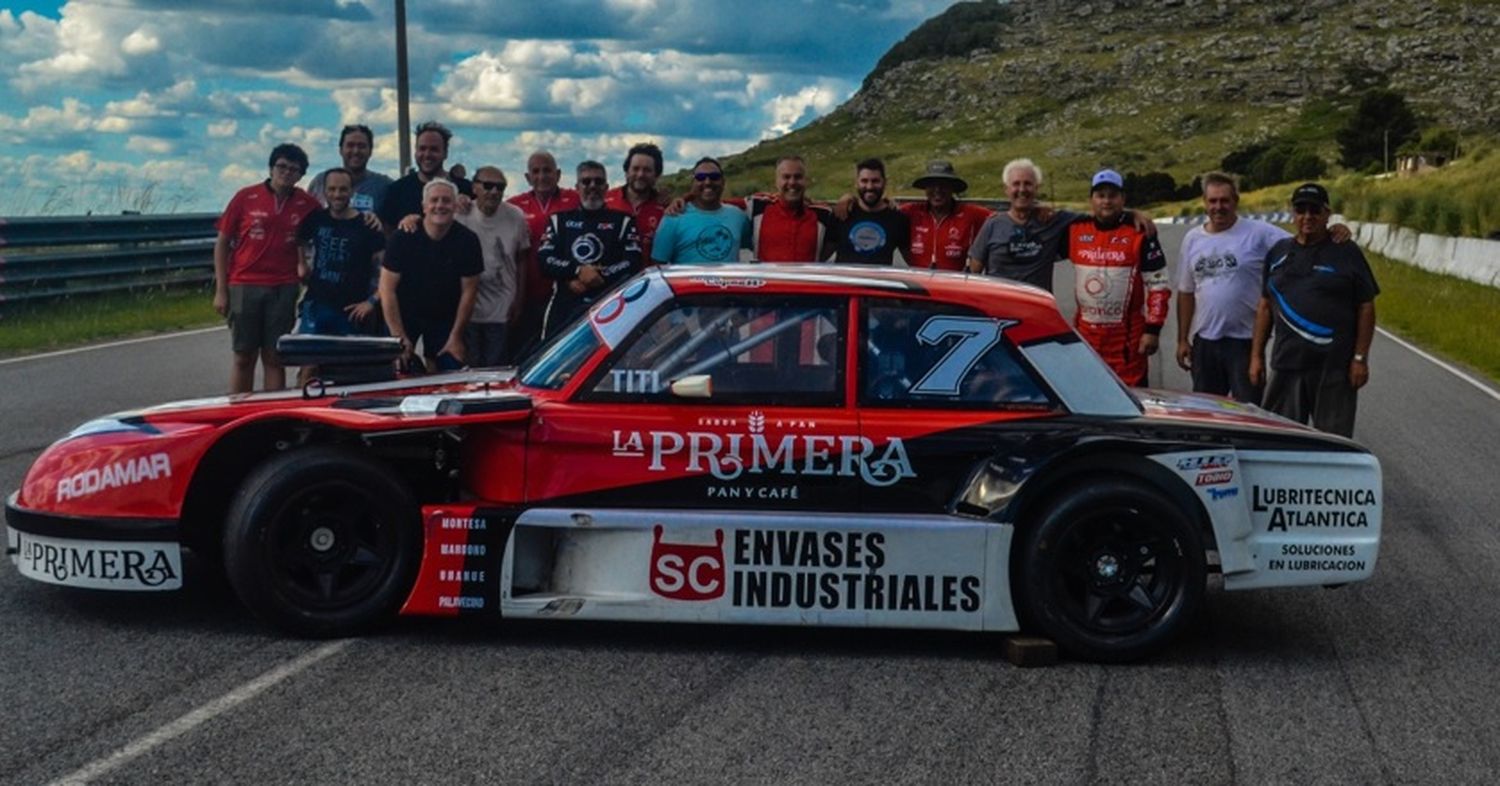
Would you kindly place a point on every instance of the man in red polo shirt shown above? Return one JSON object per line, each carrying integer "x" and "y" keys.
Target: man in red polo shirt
{"x": 942, "y": 228}
{"x": 255, "y": 267}
{"x": 544, "y": 199}
{"x": 638, "y": 197}
{"x": 786, "y": 227}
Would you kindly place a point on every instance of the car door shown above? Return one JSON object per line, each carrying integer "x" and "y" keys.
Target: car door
{"x": 941, "y": 388}
{"x": 760, "y": 416}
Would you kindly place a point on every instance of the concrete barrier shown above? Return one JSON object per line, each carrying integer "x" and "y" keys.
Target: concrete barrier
{"x": 1470, "y": 258}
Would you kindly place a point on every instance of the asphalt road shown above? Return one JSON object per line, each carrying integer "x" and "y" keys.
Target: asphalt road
{"x": 1391, "y": 681}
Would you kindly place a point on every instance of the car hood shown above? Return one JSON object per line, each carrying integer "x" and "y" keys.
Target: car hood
{"x": 1204, "y": 408}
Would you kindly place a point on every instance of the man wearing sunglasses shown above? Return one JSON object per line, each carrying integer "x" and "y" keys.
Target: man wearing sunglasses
{"x": 356, "y": 143}
{"x": 708, "y": 231}
{"x": 1321, "y": 297}
{"x": 587, "y": 251}
{"x": 506, "y": 243}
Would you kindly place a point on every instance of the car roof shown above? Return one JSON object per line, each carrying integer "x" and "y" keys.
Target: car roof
{"x": 1035, "y": 309}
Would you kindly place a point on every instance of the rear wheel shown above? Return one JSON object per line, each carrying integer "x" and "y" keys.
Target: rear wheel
{"x": 322, "y": 542}
{"x": 1111, "y": 571}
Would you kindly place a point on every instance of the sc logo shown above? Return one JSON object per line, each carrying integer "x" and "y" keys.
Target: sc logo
{"x": 687, "y": 571}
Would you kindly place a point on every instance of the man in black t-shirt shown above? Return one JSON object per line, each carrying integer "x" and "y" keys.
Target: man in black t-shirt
{"x": 405, "y": 196}
{"x": 430, "y": 280}
{"x": 1321, "y": 296}
{"x": 339, "y": 253}
{"x": 875, "y": 229}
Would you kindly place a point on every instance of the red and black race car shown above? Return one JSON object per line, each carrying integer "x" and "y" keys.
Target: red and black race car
{"x": 785, "y": 445}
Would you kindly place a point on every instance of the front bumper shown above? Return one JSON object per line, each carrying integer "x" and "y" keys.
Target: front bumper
{"x": 93, "y": 553}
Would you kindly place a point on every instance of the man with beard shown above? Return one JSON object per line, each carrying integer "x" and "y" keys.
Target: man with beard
{"x": 255, "y": 267}
{"x": 639, "y": 198}
{"x": 1120, "y": 282}
{"x": 587, "y": 251}
{"x": 538, "y": 205}
{"x": 506, "y": 243}
{"x": 429, "y": 281}
{"x": 405, "y": 196}
{"x": 339, "y": 258}
{"x": 708, "y": 231}
{"x": 875, "y": 229}
{"x": 355, "y": 145}
{"x": 942, "y": 228}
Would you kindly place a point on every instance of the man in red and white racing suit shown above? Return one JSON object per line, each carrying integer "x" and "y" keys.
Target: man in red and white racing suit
{"x": 1120, "y": 282}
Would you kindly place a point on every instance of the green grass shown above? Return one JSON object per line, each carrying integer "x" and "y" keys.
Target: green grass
{"x": 1443, "y": 314}
{"x": 56, "y": 325}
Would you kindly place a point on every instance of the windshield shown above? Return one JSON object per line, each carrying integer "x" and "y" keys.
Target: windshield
{"x": 557, "y": 362}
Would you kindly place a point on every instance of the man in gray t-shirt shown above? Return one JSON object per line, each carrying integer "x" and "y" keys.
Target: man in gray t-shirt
{"x": 1023, "y": 243}
{"x": 355, "y": 145}
{"x": 506, "y": 242}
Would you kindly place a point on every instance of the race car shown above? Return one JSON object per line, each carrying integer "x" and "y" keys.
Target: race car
{"x": 759, "y": 444}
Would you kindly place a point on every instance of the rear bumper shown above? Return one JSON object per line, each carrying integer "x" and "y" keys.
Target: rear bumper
{"x": 93, "y": 553}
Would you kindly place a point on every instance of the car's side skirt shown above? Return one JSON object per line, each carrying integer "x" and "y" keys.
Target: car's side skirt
{"x": 710, "y": 566}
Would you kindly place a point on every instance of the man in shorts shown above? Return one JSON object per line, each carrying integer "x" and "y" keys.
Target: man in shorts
{"x": 255, "y": 267}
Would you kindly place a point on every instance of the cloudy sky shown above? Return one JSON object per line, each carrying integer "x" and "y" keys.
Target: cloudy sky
{"x": 169, "y": 105}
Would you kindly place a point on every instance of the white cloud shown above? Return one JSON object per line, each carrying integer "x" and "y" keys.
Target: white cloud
{"x": 140, "y": 42}
{"x": 291, "y": 112}
{"x": 788, "y": 111}
{"x": 483, "y": 82}
{"x": 150, "y": 145}
{"x": 221, "y": 130}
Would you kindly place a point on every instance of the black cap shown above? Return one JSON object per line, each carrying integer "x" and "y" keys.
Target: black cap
{"x": 1310, "y": 193}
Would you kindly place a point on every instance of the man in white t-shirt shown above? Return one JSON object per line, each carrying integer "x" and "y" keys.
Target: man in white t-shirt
{"x": 1218, "y": 283}
{"x": 1218, "y": 286}
{"x": 505, "y": 240}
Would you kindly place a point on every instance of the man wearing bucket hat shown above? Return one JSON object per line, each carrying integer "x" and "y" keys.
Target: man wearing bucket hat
{"x": 1120, "y": 281}
{"x": 942, "y": 228}
{"x": 1321, "y": 297}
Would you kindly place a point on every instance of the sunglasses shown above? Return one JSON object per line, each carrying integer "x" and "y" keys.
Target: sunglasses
{"x": 1305, "y": 209}
{"x": 593, "y": 181}
{"x": 702, "y": 176}
{"x": 489, "y": 185}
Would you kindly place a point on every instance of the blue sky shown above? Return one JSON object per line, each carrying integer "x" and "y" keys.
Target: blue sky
{"x": 170, "y": 105}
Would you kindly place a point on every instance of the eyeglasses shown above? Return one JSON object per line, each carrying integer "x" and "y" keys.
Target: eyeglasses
{"x": 593, "y": 181}
{"x": 1307, "y": 209}
{"x": 489, "y": 185}
{"x": 285, "y": 167}
{"x": 713, "y": 176}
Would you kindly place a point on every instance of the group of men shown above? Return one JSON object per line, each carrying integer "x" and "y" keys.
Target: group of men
{"x": 447, "y": 263}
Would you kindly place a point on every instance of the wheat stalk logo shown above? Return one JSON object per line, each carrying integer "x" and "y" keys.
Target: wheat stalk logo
{"x": 757, "y": 422}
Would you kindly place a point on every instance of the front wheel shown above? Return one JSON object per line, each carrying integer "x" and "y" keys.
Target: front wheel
{"x": 322, "y": 542}
{"x": 1111, "y": 571}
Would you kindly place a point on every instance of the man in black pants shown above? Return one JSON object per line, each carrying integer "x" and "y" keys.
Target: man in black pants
{"x": 586, "y": 251}
{"x": 1321, "y": 295}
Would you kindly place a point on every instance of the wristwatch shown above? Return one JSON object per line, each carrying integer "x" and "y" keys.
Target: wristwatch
{"x": 1360, "y": 358}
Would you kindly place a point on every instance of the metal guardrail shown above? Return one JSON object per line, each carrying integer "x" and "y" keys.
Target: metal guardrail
{"x": 52, "y": 258}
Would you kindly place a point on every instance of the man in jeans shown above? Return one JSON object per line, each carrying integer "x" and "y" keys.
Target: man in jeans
{"x": 255, "y": 267}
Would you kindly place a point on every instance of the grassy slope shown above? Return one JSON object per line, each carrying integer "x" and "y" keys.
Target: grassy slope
{"x": 1446, "y": 315}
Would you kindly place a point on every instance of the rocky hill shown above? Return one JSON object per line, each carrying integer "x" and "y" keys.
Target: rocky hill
{"x": 1143, "y": 85}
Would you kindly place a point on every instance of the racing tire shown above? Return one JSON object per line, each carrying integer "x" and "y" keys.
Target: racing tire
{"x": 1110, "y": 571}
{"x": 322, "y": 542}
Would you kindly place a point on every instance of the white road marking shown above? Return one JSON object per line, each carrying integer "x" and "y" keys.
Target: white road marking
{"x": 1442, "y": 364}
{"x": 201, "y": 715}
{"x": 111, "y": 344}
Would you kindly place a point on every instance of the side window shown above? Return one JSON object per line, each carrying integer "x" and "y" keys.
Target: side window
{"x": 919, "y": 354}
{"x": 785, "y": 350}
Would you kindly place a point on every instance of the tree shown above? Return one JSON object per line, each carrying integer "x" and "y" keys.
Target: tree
{"x": 1381, "y": 124}
{"x": 1303, "y": 165}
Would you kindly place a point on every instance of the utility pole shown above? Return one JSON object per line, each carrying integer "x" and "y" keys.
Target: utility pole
{"x": 1387, "y": 154}
{"x": 403, "y": 90}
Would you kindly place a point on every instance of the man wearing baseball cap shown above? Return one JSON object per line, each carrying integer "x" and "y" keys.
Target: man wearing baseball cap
{"x": 942, "y": 228}
{"x": 1120, "y": 281}
{"x": 1321, "y": 297}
